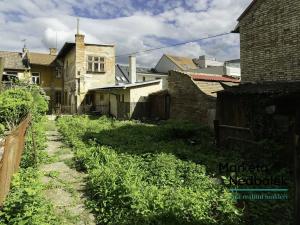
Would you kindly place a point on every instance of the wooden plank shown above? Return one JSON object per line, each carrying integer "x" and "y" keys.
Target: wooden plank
{"x": 297, "y": 179}
{"x": 235, "y": 128}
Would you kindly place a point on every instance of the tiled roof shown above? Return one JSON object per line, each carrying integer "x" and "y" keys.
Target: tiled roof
{"x": 210, "y": 77}
{"x": 41, "y": 58}
{"x": 183, "y": 63}
{"x": 209, "y": 88}
{"x": 13, "y": 60}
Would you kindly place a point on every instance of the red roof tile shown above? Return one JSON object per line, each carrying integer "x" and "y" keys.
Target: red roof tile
{"x": 207, "y": 77}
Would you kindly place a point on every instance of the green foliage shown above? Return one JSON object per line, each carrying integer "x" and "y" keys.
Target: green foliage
{"x": 18, "y": 102}
{"x": 135, "y": 175}
{"x": 15, "y": 104}
{"x": 35, "y": 143}
{"x": 25, "y": 203}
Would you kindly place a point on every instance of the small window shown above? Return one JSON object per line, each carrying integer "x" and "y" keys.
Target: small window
{"x": 58, "y": 73}
{"x": 96, "y": 64}
{"x": 88, "y": 99}
{"x": 12, "y": 73}
{"x": 35, "y": 78}
{"x": 144, "y": 78}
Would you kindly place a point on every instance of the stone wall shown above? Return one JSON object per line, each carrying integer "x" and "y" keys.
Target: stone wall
{"x": 270, "y": 43}
{"x": 188, "y": 102}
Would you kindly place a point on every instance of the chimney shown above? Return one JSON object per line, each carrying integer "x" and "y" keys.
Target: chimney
{"x": 132, "y": 69}
{"x": 53, "y": 51}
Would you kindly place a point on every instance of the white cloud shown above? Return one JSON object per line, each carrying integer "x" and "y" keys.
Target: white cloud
{"x": 130, "y": 27}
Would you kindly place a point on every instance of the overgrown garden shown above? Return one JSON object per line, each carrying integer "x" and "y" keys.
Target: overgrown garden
{"x": 148, "y": 174}
{"x": 25, "y": 203}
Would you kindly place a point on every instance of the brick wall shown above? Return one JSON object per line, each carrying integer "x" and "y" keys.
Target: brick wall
{"x": 270, "y": 43}
{"x": 187, "y": 101}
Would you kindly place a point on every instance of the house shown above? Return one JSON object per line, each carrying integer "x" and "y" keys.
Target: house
{"x": 142, "y": 75}
{"x": 266, "y": 103}
{"x": 193, "y": 95}
{"x": 15, "y": 65}
{"x": 46, "y": 72}
{"x": 269, "y": 39}
{"x": 84, "y": 67}
{"x": 127, "y": 98}
{"x": 203, "y": 64}
{"x": 170, "y": 62}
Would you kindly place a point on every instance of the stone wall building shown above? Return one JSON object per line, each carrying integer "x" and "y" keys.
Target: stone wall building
{"x": 270, "y": 45}
{"x": 193, "y": 96}
{"x": 85, "y": 66}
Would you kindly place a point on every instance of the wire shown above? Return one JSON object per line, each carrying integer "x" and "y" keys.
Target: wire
{"x": 169, "y": 46}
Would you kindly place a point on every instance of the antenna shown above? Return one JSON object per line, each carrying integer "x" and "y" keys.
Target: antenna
{"x": 24, "y": 40}
{"x": 77, "y": 25}
{"x": 56, "y": 41}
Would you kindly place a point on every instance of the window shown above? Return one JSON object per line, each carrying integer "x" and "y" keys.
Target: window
{"x": 144, "y": 78}
{"x": 57, "y": 98}
{"x": 35, "y": 77}
{"x": 88, "y": 99}
{"x": 58, "y": 72}
{"x": 95, "y": 64}
{"x": 11, "y": 73}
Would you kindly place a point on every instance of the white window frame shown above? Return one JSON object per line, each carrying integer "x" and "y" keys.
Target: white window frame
{"x": 95, "y": 64}
{"x": 35, "y": 78}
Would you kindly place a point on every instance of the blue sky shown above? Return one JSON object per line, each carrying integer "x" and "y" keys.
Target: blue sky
{"x": 131, "y": 25}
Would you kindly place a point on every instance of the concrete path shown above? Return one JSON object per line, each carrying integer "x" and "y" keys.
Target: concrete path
{"x": 65, "y": 185}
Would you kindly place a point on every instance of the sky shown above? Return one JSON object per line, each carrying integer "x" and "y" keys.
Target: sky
{"x": 132, "y": 25}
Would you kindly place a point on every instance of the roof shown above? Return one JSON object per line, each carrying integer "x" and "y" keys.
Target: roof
{"x": 183, "y": 63}
{"x": 237, "y": 28}
{"x": 41, "y": 58}
{"x": 211, "y": 77}
{"x": 13, "y": 60}
{"x": 247, "y": 10}
{"x": 125, "y": 86}
{"x": 271, "y": 87}
{"x": 122, "y": 73}
{"x": 210, "y": 88}
{"x": 69, "y": 45}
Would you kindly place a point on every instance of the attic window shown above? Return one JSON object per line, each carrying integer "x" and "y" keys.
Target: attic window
{"x": 95, "y": 64}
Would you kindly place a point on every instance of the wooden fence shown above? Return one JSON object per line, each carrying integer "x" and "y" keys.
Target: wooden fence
{"x": 232, "y": 136}
{"x": 11, "y": 149}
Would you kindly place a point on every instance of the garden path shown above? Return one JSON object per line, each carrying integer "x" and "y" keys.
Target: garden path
{"x": 64, "y": 184}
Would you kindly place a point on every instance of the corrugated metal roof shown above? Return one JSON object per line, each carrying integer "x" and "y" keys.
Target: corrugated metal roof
{"x": 125, "y": 86}
{"x": 210, "y": 77}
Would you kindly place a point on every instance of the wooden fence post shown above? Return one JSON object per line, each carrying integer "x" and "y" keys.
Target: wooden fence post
{"x": 297, "y": 179}
{"x": 217, "y": 132}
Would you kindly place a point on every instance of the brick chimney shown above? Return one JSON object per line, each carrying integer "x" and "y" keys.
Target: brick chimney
{"x": 80, "y": 49}
{"x": 132, "y": 69}
{"x": 52, "y": 51}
